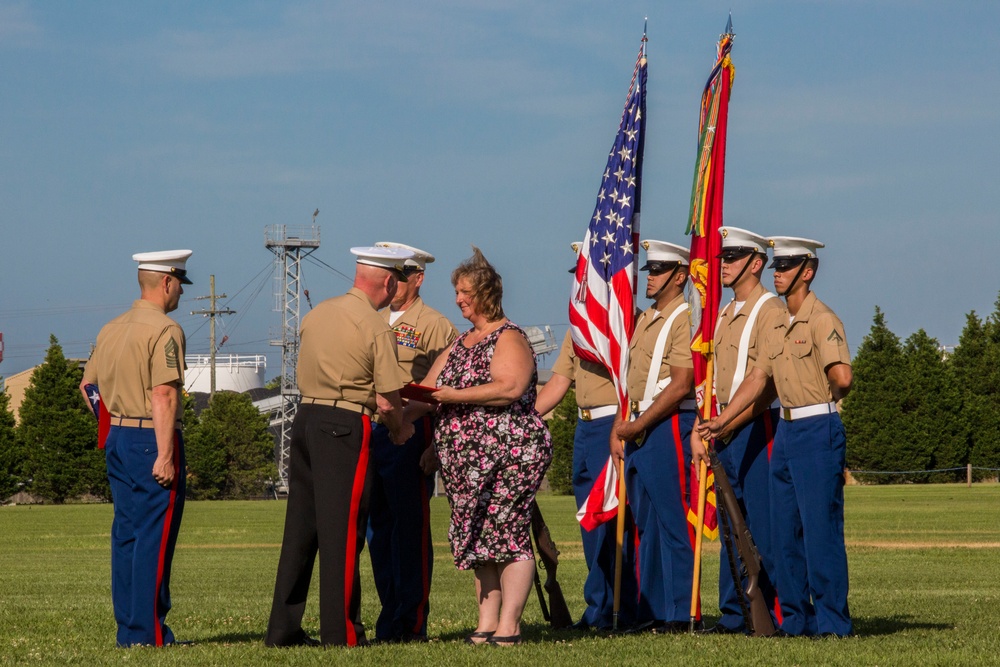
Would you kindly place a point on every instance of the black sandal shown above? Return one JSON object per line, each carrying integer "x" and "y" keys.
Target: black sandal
{"x": 484, "y": 635}
{"x": 510, "y": 640}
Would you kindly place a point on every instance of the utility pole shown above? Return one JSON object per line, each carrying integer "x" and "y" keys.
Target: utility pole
{"x": 212, "y": 312}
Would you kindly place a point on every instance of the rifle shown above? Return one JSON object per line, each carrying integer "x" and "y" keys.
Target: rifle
{"x": 548, "y": 556}
{"x": 757, "y": 617}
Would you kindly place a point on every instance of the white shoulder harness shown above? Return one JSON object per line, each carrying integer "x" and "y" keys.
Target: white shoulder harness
{"x": 652, "y": 386}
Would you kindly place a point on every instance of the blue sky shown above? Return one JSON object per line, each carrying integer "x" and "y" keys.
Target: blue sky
{"x": 128, "y": 127}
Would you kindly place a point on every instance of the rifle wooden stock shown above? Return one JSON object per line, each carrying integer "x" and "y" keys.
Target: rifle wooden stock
{"x": 556, "y": 612}
{"x": 758, "y": 621}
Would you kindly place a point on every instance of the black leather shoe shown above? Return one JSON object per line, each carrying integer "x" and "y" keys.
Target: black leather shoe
{"x": 678, "y": 627}
{"x": 302, "y": 640}
{"x": 581, "y": 625}
{"x": 642, "y": 628}
{"x": 720, "y": 629}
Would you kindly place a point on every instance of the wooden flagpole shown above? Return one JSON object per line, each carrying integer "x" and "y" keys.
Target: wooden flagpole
{"x": 706, "y": 411}
{"x": 619, "y": 542}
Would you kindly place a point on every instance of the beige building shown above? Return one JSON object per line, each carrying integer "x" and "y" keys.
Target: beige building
{"x": 16, "y": 384}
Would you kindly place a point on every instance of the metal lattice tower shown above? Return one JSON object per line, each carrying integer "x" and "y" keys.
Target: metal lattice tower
{"x": 290, "y": 245}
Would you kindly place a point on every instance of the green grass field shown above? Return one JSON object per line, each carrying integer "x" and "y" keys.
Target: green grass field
{"x": 924, "y": 564}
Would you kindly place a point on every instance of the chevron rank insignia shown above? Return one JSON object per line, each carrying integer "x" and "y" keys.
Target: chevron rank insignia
{"x": 835, "y": 337}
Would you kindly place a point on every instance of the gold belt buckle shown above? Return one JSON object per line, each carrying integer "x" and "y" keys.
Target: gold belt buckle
{"x": 585, "y": 414}
{"x": 634, "y": 405}
{"x": 787, "y": 414}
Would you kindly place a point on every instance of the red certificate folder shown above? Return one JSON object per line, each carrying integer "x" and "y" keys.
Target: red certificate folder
{"x": 418, "y": 392}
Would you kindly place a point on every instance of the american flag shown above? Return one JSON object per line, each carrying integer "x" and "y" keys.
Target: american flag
{"x": 102, "y": 414}
{"x": 602, "y": 305}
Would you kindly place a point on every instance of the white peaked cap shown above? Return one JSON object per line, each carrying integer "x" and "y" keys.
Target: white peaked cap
{"x": 661, "y": 252}
{"x": 165, "y": 261}
{"x": 393, "y": 259}
{"x": 791, "y": 246}
{"x": 420, "y": 259}
{"x": 736, "y": 240}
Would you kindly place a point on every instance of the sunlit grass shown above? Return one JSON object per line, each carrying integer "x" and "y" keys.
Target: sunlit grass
{"x": 924, "y": 564}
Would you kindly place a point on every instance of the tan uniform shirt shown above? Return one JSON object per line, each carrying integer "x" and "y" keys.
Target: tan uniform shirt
{"x": 676, "y": 352}
{"x": 347, "y": 352}
{"x": 422, "y": 333}
{"x": 138, "y": 350}
{"x": 594, "y": 387}
{"x": 729, "y": 332}
{"x": 798, "y": 353}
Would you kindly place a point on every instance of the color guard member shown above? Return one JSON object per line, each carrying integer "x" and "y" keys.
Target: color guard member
{"x": 745, "y": 446}
{"x": 138, "y": 365}
{"x": 399, "y": 529}
{"x": 661, "y": 386}
{"x": 808, "y": 358}
{"x": 347, "y": 369}
{"x": 597, "y": 404}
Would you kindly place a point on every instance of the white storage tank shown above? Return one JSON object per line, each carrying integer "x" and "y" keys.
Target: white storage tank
{"x": 233, "y": 372}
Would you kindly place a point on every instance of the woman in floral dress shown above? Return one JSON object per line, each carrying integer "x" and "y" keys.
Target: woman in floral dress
{"x": 493, "y": 449}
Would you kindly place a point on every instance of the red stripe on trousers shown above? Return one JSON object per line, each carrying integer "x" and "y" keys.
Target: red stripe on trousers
{"x": 165, "y": 538}
{"x": 424, "y": 533}
{"x": 769, "y": 434}
{"x": 351, "y": 562}
{"x": 683, "y": 479}
{"x": 675, "y": 425}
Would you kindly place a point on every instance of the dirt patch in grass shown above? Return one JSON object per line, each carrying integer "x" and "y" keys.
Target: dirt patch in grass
{"x": 925, "y": 545}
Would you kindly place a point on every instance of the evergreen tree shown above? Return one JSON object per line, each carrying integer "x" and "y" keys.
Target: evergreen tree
{"x": 872, "y": 410}
{"x": 562, "y": 426}
{"x": 231, "y": 452}
{"x": 975, "y": 364}
{"x": 59, "y": 432}
{"x": 933, "y": 438}
{"x": 985, "y": 446}
{"x": 11, "y": 454}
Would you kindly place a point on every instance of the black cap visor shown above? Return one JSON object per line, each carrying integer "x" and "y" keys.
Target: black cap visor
{"x": 787, "y": 263}
{"x": 657, "y": 268}
{"x": 734, "y": 253}
{"x": 181, "y": 275}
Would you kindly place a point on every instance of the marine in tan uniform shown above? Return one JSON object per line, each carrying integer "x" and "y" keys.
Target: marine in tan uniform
{"x": 138, "y": 367}
{"x": 808, "y": 358}
{"x": 661, "y": 388}
{"x": 399, "y": 531}
{"x": 597, "y": 403}
{"x": 744, "y": 449}
{"x": 347, "y": 371}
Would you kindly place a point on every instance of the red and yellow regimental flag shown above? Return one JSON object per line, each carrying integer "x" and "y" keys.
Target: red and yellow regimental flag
{"x": 706, "y": 242}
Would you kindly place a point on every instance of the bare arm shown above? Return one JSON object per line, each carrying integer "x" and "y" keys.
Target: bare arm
{"x": 510, "y": 370}
{"x": 390, "y": 407}
{"x": 553, "y": 392}
{"x": 761, "y": 403}
{"x": 164, "y": 401}
{"x": 616, "y": 445}
{"x": 841, "y": 377}
{"x": 665, "y": 403}
{"x": 83, "y": 391}
{"x": 753, "y": 387}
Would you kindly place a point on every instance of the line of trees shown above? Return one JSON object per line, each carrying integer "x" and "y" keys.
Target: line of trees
{"x": 51, "y": 452}
{"x": 915, "y": 407}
